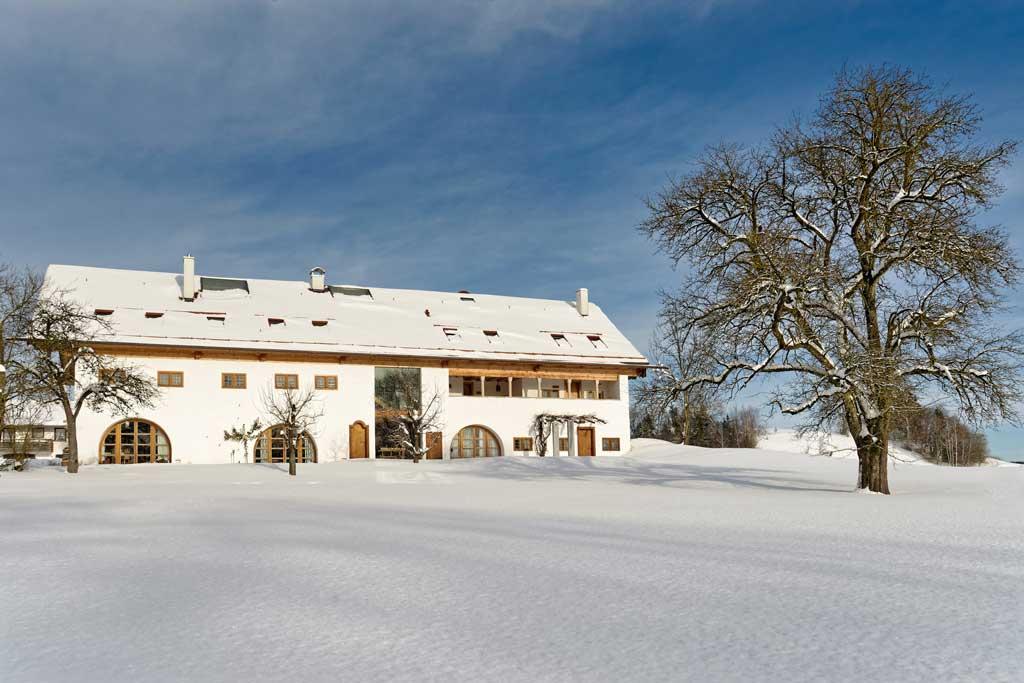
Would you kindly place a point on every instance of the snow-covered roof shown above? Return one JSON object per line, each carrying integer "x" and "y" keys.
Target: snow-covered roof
{"x": 240, "y": 313}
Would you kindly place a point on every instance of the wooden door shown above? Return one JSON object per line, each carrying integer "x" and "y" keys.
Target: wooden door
{"x": 357, "y": 440}
{"x": 585, "y": 441}
{"x": 434, "y": 446}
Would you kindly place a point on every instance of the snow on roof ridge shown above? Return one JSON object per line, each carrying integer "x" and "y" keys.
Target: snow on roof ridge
{"x": 305, "y": 283}
{"x": 407, "y": 319}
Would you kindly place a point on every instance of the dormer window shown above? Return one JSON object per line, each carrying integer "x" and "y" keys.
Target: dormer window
{"x": 560, "y": 339}
{"x": 358, "y": 292}
{"x": 451, "y": 333}
{"x": 275, "y": 321}
{"x": 319, "y": 323}
{"x": 215, "y": 318}
{"x": 467, "y": 298}
{"x": 104, "y": 311}
{"x": 492, "y": 336}
{"x": 596, "y": 340}
{"x": 223, "y": 284}
{"x": 154, "y": 314}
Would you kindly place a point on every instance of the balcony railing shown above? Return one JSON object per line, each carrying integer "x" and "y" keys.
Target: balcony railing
{"x": 25, "y": 446}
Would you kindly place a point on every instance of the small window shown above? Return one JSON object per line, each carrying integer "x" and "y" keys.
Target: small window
{"x": 286, "y": 381}
{"x": 319, "y": 323}
{"x": 472, "y": 386}
{"x": 492, "y": 336}
{"x": 154, "y": 314}
{"x": 60, "y": 434}
{"x": 451, "y": 333}
{"x": 560, "y": 339}
{"x": 609, "y": 444}
{"x": 215, "y": 318}
{"x": 596, "y": 340}
{"x": 328, "y": 382}
{"x": 522, "y": 443}
{"x": 170, "y": 379}
{"x": 232, "y": 380}
{"x": 104, "y": 311}
{"x": 275, "y": 321}
{"x": 563, "y": 444}
{"x": 467, "y": 298}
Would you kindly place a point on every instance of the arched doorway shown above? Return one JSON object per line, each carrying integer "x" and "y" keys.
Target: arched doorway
{"x": 475, "y": 442}
{"x": 134, "y": 441}
{"x": 357, "y": 441}
{"x": 272, "y": 446}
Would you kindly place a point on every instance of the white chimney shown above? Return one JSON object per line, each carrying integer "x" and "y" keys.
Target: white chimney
{"x": 318, "y": 279}
{"x": 582, "y": 301}
{"x": 188, "y": 281}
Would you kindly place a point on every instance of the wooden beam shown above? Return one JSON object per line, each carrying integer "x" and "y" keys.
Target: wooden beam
{"x": 472, "y": 368}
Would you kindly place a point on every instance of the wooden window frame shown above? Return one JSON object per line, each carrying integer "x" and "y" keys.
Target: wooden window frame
{"x": 607, "y": 440}
{"x": 125, "y": 447}
{"x": 522, "y": 444}
{"x": 326, "y": 381}
{"x": 234, "y": 384}
{"x": 563, "y": 444}
{"x": 163, "y": 379}
{"x": 286, "y": 376}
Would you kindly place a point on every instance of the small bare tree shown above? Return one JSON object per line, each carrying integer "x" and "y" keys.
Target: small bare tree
{"x": 844, "y": 255}
{"x": 415, "y": 413}
{"x": 244, "y": 434}
{"x": 63, "y": 369}
{"x": 293, "y": 410}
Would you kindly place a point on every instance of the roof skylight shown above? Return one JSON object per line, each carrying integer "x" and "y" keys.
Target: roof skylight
{"x": 222, "y": 284}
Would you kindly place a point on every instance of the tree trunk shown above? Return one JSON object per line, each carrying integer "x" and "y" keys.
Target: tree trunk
{"x": 686, "y": 418}
{"x": 873, "y": 458}
{"x": 72, "y": 429}
{"x": 291, "y": 456}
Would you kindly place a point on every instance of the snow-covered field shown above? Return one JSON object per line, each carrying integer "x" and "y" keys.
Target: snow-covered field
{"x": 672, "y": 563}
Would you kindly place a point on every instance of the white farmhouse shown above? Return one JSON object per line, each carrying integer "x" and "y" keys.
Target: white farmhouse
{"x": 213, "y": 344}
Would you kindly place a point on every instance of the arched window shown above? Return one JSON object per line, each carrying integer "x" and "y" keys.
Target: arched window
{"x": 272, "y": 446}
{"x": 475, "y": 442}
{"x": 134, "y": 441}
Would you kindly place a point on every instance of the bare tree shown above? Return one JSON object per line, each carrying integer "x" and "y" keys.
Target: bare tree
{"x": 19, "y": 293}
{"x": 845, "y": 255}
{"x": 63, "y": 369}
{"x": 295, "y": 412}
{"x": 678, "y": 351}
{"x": 244, "y": 434}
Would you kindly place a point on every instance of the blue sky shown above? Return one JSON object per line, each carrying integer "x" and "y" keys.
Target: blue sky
{"x": 491, "y": 146}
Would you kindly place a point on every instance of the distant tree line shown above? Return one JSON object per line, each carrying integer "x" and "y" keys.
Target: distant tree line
{"x": 707, "y": 425}
{"x": 940, "y": 437}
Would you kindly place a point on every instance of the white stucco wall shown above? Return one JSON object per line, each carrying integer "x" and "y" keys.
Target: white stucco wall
{"x": 196, "y": 415}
